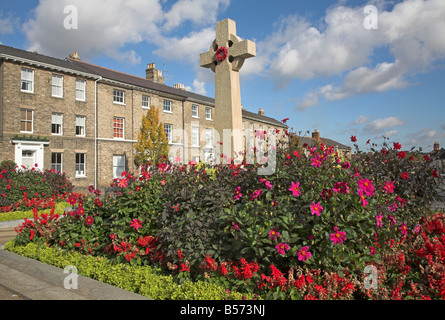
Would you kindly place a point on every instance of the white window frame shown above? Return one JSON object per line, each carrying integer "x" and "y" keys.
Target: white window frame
{"x": 145, "y": 102}
{"x": 119, "y": 95}
{"x": 56, "y": 86}
{"x": 195, "y": 137}
{"x": 26, "y": 120}
{"x": 56, "y": 116}
{"x": 168, "y": 106}
{"x": 116, "y": 166}
{"x": 195, "y": 113}
{"x": 123, "y": 128}
{"x": 27, "y": 76}
{"x": 168, "y": 129}
{"x": 209, "y": 138}
{"x": 81, "y": 121}
{"x": 208, "y": 113}
{"x": 55, "y": 164}
{"x": 81, "y": 86}
{"x": 81, "y": 173}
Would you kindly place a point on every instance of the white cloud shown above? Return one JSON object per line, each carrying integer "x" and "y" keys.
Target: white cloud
{"x": 377, "y": 125}
{"x": 425, "y": 137}
{"x": 7, "y": 23}
{"x": 102, "y": 27}
{"x": 412, "y": 31}
{"x": 201, "y": 12}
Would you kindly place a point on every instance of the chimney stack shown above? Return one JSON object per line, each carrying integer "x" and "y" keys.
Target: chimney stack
{"x": 75, "y": 56}
{"x": 153, "y": 74}
{"x": 261, "y": 112}
{"x": 316, "y": 135}
{"x": 436, "y": 146}
{"x": 179, "y": 86}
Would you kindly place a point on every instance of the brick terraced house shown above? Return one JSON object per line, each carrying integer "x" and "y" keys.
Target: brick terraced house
{"x": 84, "y": 119}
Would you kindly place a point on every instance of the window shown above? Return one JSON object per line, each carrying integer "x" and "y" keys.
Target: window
{"x": 145, "y": 102}
{"x": 80, "y": 165}
{"x": 80, "y": 126}
{"x": 27, "y": 80}
{"x": 209, "y": 138}
{"x": 118, "y": 96}
{"x": 26, "y": 120}
{"x": 195, "y": 113}
{"x": 118, "y": 165}
{"x": 208, "y": 114}
{"x": 167, "y": 106}
{"x": 57, "y": 86}
{"x": 168, "y": 132}
{"x": 28, "y": 158}
{"x": 118, "y": 128}
{"x": 195, "y": 136}
{"x": 57, "y": 123}
{"x": 81, "y": 90}
{"x": 56, "y": 161}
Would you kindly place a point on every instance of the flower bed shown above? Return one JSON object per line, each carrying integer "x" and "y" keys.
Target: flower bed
{"x": 309, "y": 231}
{"x": 23, "y": 189}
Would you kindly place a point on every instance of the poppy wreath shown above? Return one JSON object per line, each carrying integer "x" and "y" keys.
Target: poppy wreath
{"x": 221, "y": 54}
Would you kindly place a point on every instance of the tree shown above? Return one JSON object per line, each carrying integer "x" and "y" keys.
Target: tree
{"x": 152, "y": 145}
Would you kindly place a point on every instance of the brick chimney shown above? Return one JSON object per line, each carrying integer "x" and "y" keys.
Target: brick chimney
{"x": 153, "y": 74}
{"x": 75, "y": 56}
{"x": 261, "y": 112}
{"x": 436, "y": 146}
{"x": 179, "y": 86}
{"x": 316, "y": 135}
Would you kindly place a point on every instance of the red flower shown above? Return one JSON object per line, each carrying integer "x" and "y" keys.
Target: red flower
{"x": 397, "y": 146}
{"x": 405, "y": 175}
{"x": 353, "y": 138}
{"x": 284, "y": 120}
{"x": 401, "y": 154}
{"x": 221, "y": 54}
{"x": 435, "y": 174}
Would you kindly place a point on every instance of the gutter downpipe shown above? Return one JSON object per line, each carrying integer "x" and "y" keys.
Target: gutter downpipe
{"x": 95, "y": 131}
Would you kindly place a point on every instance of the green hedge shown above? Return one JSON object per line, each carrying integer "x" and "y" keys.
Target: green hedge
{"x": 144, "y": 280}
{"x": 17, "y": 215}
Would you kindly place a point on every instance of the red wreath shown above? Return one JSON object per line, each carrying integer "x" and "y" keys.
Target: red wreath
{"x": 221, "y": 54}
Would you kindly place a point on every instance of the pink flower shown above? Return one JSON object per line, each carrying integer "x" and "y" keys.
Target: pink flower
{"x": 393, "y": 207}
{"x": 389, "y": 187}
{"x": 295, "y": 188}
{"x": 316, "y": 208}
{"x": 404, "y": 229}
{"x": 282, "y": 248}
{"x": 341, "y": 187}
{"x": 256, "y": 194}
{"x": 304, "y": 254}
{"x": 122, "y": 183}
{"x": 316, "y": 162}
{"x": 392, "y": 220}
{"x": 367, "y": 186}
{"x": 136, "y": 224}
{"x": 362, "y": 198}
{"x": 338, "y": 237}
{"x": 371, "y": 251}
{"x": 238, "y": 193}
{"x": 273, "y": 234}
{"x": 379, "y": 220}
{"x": 268, "y": 185}
{"x": 113, "y": 236}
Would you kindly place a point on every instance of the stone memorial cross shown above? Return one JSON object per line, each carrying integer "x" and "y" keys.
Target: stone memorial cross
{"x": 225, "y": 58}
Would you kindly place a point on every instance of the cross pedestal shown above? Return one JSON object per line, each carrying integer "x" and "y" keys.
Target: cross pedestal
{"x": 225, "y": 58}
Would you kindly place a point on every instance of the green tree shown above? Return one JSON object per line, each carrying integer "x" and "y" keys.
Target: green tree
{"x": 152, "y": 146}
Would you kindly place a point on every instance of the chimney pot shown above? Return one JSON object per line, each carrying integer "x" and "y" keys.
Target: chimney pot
{"x": 316, "y": 135}
{"x": 261, "y": 111}
{"x": 436, "y": 146}
{"x": 153, "y": 74}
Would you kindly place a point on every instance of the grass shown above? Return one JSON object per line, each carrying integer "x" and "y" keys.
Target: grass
{"x": 17, "y": 215}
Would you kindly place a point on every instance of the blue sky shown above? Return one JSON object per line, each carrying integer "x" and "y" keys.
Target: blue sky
{"x": 317, "y": 63}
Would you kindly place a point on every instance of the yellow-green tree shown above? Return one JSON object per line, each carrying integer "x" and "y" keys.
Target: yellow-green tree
{"x": 152, "y": 145}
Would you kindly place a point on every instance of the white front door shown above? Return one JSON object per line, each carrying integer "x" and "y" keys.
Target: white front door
{"x": 29, "y": 154}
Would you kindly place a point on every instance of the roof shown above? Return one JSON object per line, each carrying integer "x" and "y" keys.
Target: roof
{"x": 311, "y": 142}
{"x": 439, "y": 154}
{"x": 70, "y": 65}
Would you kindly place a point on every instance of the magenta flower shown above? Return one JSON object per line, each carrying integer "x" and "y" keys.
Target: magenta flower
{"x": 404, "y": 229}
{"x": 256, "y": 194}
{"x": 389, "y": 187}
{"x": 379, "y": 220}
{"x": 304, "y": 254}
{"x": 238, "y": 193}
{"x": 268, "y": 185}
{"x": 282, "y": 248}
{"x": 393, "y": 207}
{"x": 371, "y": 251}
{"x": 392, "y": 220}
{"x": 338, "y": 237}
{"x": 367, "y": 186}
{"x": 295, "y": 188}
{"x": 136, "y": 224}
{"x": 417, "y": 229}
{"x": 341, "y": 187}
{"x": 316, "y": 162}
{"x": 89, "y": 221}
{"x": 316, "y": 208}
{"x": 273, "y": 234}
{"x": 362, "y": 198}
